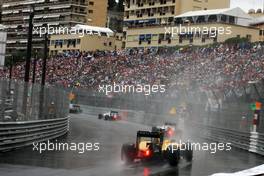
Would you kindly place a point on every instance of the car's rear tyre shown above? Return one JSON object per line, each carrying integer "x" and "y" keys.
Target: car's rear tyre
{"x": 173, "y": 156}
{"x": 100, "y": 116}
{"x": 188, "y": 153}
{"x": 128, "y": 153}
{"x": 107, "y": 117}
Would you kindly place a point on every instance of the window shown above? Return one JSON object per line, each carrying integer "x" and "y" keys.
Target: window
{"x": 103, "y": 34}
{"x": 180, "y": 39}
{"x": 58, "y": 43}
{"x": 91, "y": 3}
{"x": 231, "y": 19}
{"x": 161, "y": 36}
{"x": 90, "y": 11}
{"x": 142, "y": 37}
{"x": 248, "y": 37}
{"x": 148, "y": 37}
{"x": 168, "y": 36}
{"x": 110, "y": 43}
{"x": 260, "y": 32}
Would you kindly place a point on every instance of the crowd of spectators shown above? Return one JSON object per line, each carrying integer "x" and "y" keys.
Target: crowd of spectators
{"x": 217, "y": 67}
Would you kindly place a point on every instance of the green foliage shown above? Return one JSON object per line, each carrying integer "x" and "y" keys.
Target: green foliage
{"x": 236, "y": 40}
{"x": 111, "y": 4}
{"x": 116, "y": 6}
{"x": 120, "y": 6}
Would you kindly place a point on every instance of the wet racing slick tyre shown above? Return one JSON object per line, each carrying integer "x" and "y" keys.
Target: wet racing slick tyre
{"x": 188, "y": 152}
{"x": 100, "y": 116}
{"x": 172, "y": 156}
{"x": 128, "y": 153}
{"x": 107, "y": 117}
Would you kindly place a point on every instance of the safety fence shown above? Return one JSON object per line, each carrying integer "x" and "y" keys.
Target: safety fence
{"x": 21, "y": 101}
{"x": 20, "y": 134}
{"x": 234, "y": 113}
{"x": 31, "y": 113}
{"x": 250, "y": 141}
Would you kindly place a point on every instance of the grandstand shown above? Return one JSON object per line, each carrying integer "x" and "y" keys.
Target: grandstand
{"x": 222, "y": 67}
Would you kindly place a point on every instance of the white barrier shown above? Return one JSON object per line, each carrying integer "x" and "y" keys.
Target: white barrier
{"x": 259, "y": 170}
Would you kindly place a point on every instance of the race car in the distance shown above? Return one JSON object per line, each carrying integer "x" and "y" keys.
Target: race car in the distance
{"x": 168, "y": 128}
{"x": 75, "y": 109}
{"x": 112, "y": 115}
{"x": 155, "y": 145}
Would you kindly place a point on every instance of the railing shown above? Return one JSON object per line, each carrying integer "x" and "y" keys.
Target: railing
{"x": 20, "y": 134}
{"x": 257, "y": 143}
{"x": 31, "y": 113}
{"x": 250, "y": 141}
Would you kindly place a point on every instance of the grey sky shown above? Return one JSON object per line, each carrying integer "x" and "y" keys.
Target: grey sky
{"x": 247, "y": 4}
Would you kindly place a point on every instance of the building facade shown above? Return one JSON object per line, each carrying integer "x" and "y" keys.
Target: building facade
{"x": 63, "y": 13}
{"x": 97, "y": 13}
{"x": 199, "y": 27}
{"x": 259, "y": 23}
{"x": 94, "y": 38}
{"x": 150, "y": 14}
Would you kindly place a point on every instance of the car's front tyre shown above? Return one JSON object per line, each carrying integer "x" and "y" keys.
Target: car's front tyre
{"x": 100, "y": 116}
{"x": 107, "y": 117}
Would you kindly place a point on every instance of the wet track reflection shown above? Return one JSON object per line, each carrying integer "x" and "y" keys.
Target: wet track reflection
{"x": 107, "y": 162}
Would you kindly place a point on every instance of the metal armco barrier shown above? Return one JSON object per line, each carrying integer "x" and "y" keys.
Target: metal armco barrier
{"x": 20, "y": 134}
{"x": 250, "y": 141}
{"x": 256, "y": 143}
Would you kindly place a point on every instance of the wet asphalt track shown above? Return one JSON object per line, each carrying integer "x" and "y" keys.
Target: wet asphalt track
{"x": 106, "y": 162}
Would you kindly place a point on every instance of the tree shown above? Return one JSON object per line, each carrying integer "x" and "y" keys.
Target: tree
{"x": 236, "y": 40}
{"x": 120, "y": 6}
{"x": 111, "y": 4}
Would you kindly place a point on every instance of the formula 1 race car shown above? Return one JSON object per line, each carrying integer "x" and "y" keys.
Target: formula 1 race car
{"x": 154, "y": 145}
{"x": 75, "y": 109}
{"x": 168, "y": 129}
{"x": 112, "y": 115}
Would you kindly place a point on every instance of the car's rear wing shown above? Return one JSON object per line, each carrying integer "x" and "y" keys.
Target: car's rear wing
{"x": 170, "y": 124}
{"x": 149, "y": 134}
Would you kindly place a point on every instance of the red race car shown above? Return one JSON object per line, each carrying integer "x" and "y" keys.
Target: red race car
{"x": 112, "y": 115}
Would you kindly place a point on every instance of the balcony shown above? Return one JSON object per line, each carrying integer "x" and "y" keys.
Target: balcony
{"x": 150, "y": 5}
{"x": 41, "y": 5}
